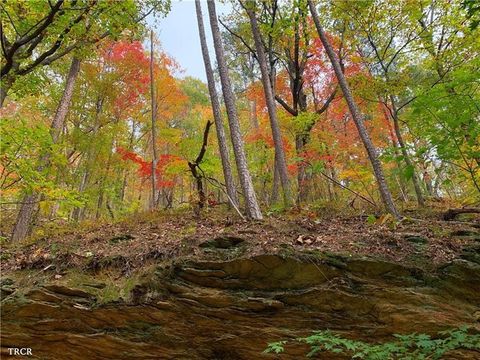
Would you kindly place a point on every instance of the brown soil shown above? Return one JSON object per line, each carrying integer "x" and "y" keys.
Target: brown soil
{"x": 130, "y": 243}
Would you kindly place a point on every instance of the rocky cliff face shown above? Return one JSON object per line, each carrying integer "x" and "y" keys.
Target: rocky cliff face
{"x": 232, "y": 309}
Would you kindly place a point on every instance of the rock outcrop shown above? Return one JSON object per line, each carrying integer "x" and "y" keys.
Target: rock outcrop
{"x": 232, "y": 309}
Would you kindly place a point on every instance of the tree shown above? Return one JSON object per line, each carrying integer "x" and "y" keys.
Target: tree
{"x": 280, "y": 161}
{"x": 154, "y": 126}
{"x": 28, "y": 207}
{"x": 384, "y": 60}
{"x": 217, "y": 116}
{"x": 196, "y": 171}
{"x": 251, "y": 203}
{"x": 38, "y": 33}
{"x": 356, "y": 115}
{"x": 286, "y": 35}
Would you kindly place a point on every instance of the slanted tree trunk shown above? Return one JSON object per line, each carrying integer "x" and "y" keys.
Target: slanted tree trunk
{"x": 28, "y": 209}
{"x": 251, "y": 203}
{"x": 280, "y": 161}
{"x": 154, "y": 127}
{"x": 217, "y": 115}
{"x": 356, "y": 115}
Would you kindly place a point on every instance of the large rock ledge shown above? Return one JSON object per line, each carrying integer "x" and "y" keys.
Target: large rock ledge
{"x": 232, "y": 309}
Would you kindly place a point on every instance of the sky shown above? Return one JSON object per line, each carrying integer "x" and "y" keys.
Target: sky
{"x": 178, "y": 34}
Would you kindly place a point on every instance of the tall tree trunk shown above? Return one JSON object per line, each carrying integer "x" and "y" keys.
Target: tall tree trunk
{"x": 356, "y": 115}
{"x": 154, "y": 127}
{"x": 103, "y": 180}
{"x": 300, "y": 142}
{"x": 251, "y": 203}
{"x": 79, "y": 212}
{"x": 28, "y": 209}
{"x": 396, "y": 147}
{"x": 217, "y": 115}
{"x": 406, "y": 156}
{"x": 280, "y": 161}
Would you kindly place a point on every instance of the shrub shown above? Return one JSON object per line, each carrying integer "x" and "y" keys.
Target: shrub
{"x": 406, "y": 347}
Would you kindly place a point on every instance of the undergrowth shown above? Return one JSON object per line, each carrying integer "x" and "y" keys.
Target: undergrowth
{"x": 405, "y": 347}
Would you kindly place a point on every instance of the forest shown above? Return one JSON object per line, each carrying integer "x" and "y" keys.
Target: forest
{"x": 314, "y": 191}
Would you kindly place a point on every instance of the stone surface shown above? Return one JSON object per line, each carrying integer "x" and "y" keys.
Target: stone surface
{"x": 232, "y": 309}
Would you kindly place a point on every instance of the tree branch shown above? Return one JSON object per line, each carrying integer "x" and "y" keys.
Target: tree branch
{"x": 286, "y": 106}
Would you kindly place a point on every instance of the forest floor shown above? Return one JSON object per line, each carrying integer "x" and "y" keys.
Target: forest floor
{"x": 423, "y": 238}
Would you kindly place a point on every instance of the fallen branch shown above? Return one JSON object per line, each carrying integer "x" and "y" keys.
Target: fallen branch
{"x": 218, "y": 185}
{"x": 451, "y": 214}
{"x": 348, "y": 189}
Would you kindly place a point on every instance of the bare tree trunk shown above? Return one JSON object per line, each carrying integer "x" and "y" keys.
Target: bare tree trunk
{"x": 28, "y": 209}
{"x": 251, "y": 203}
{"x": 357, "y": 116}
{"x": 217, "y": 115}
{"x": 280, "y": 161}
{"x": 154, "y": 126}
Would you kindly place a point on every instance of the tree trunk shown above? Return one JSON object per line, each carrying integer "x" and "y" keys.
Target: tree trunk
{"x": 251, "y": 203}
{"x": 357, "y": 116}
{"x": 280, "y": 161}
{"x": 79, "y": 212}
{"x": 217, "y": 115}
{"x": 195, "y": 165}
{"x": 154, "y": 127}
{"x": 28, "y": 209}
{"x": 5, "y": 86}
{"x": 300, "y": 142}
{"x": 253, "y": 115}
{"x": 406, "y": 156}
{"x": 101, "y": 186}
{"x": 275, "y": 186}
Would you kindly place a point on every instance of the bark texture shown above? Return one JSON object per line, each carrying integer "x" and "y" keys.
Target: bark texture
{"x": 357, "y": 116}
{"x": 217, "y": 115}
{"x": 251, "y": 203}
{"x": 29, "y": 207}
